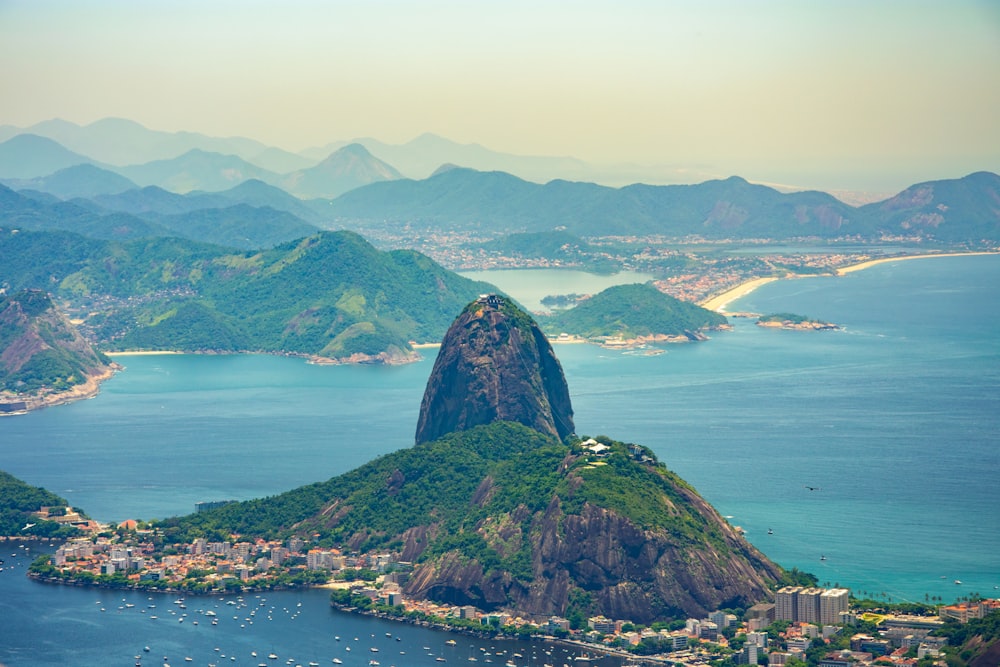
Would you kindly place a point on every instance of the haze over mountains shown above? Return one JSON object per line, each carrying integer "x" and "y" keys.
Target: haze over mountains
{"x": 121, "y": 180}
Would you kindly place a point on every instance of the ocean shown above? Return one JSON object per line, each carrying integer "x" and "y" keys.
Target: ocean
{"x": 867, "y": 456}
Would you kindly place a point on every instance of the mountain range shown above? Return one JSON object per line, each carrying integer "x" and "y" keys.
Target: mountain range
{"x": 330, "y": 294}
{"x": 353, "y": 188}
{"x": 965, "y": 210}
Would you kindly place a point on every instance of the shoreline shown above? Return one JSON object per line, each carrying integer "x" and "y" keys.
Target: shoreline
{"x": 861, "y": 266}
{"x": 87, "y": 389}
{"x": 142, "y": 353}
{"x": 719, "y": 302}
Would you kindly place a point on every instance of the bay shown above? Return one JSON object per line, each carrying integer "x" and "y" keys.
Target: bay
{"x": 530, "y": 286}
{"x": 894, "y": 419}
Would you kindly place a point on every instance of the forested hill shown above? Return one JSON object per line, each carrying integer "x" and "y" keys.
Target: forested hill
{"x": 501, "y": 506}
{"x": 631, "y": 311}
{"x": 41, "y": 352}
{"x": 501, "y": 516}
{"x": 331, "y": 294}
{"x": 19, "y": 500}
{"x": 959, "y": 210}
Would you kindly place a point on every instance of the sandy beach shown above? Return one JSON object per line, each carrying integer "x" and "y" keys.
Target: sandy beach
{"x": 885, "y": 260}
{"x": 719, "y": 302}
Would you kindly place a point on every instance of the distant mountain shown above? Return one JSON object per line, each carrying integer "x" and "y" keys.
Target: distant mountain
{"x": 330, "y": 294}
{"x": 238, "y": 226}
{"x": 632, "y": 311}
{"x": 276, "y": 159}
{"x": 420, "y": 157}
{"x": 31, "y": 156}
{"x": 152, "y": 212}
{"x": 347, "y": 168}
{"x": 43, "y": 358}
{"x": 731, "y": 208}
{"x": 82, "y": 180}
{"x": 958, "y": 210}
{"x": 155, "y": 200}
{"x": 196, "y": 170}
{"x": 20, "y": 211}
{"x": 124, "y": 142}
{"x": 255, "y": 192}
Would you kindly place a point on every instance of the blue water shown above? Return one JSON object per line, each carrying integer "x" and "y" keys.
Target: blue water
{"x": 895, "y": 419}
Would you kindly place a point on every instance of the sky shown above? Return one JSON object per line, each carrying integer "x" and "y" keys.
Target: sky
{"x": 848, "y": 94}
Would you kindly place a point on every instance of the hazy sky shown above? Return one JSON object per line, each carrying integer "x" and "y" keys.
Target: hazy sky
{"x": 831, "y": 94}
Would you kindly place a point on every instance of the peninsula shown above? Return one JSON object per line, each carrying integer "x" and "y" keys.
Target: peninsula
{"x": 44, "y": 360}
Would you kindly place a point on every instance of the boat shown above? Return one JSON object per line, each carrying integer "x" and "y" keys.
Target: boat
{"x": 958, "y": 582}
{"x": 451, "y": 642}
{"x": 822, "y": 557}
{"x": 338, "y": 661}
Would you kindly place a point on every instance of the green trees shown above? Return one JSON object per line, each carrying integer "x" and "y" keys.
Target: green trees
{"x": 630, "y": 311}
{"x": 332, "y": 293}
{"x": 19, "y": 500}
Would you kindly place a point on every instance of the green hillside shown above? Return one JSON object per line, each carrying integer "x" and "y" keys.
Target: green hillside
{"x": 39, "y": 349}
{"x": 631, "y": 311}
{"x": 17, "y": 502}
{"x": 497, "y": 514}
{"x": 331, "y": 294}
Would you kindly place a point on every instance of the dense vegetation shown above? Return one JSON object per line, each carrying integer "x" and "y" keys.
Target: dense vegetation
{"x": 18, "y": 500}
{"x": 41, "y": 350}
{"x": 459, "y": 484}
{"x": 956, "y": 211}
{"x": 784, "y": 317}
{"x": 630, "y": 311}
{"x": 331, "y": 294}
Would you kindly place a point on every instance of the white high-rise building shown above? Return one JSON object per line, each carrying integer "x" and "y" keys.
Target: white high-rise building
{"x": 832, "y": 603}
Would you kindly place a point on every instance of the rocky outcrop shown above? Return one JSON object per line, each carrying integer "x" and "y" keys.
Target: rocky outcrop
{"x": 43, "y": 358}
{"x": 623, "y": 570}
{"x": 500, "y": 507}
{"x": 495, "y": 364}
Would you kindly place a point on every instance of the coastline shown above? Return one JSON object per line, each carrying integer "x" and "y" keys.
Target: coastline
{"x": 141, "y": 353}
{"x": 719, "y": 302}
{"x": 885, "y": 260}
{"x": 89, "y": 388}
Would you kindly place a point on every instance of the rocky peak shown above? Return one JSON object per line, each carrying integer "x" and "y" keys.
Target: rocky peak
{"x": 495, "y": 364}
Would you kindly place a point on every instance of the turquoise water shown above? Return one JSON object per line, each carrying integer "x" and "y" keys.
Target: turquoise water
{"x": 530, "y": 286}
{"x": 895, "y": 419}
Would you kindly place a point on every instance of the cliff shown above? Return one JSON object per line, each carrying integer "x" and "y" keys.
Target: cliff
{"x": 499, "y": 507}
{"x": 43, "y": 358}
{"x": 495, "y": 364}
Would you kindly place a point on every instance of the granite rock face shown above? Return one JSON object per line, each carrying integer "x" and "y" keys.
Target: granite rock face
{"x": 495, "y": 364}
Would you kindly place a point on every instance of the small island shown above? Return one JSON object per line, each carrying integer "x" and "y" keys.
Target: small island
{"x": 794, "y": 322}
